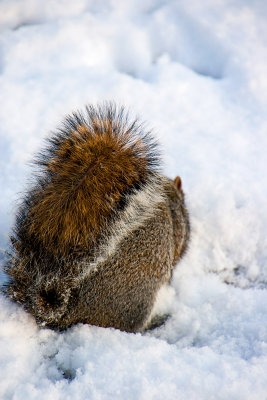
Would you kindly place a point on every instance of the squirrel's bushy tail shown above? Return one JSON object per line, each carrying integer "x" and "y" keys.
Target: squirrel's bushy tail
{"x": 90, "y": 165}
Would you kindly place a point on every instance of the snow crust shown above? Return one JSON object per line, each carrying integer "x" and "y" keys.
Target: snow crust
{"x": 196, "y": 72}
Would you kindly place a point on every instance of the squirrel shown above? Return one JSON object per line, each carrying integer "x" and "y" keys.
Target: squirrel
{"x": 101, "y": 229}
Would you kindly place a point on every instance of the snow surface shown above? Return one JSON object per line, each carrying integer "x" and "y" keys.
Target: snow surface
{"x": 196, "y": 72}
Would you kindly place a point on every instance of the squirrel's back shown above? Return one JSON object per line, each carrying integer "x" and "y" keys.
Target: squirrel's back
{"x": 98, "y": 234}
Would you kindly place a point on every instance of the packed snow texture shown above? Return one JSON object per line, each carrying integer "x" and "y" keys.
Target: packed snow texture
{"x": 196, "y": 72}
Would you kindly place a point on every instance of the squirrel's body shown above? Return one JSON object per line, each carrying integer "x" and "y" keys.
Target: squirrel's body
{"x": 99, "y": 233}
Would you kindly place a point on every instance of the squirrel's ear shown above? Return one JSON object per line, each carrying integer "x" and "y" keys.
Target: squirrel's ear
{"x": 178, "y": 183}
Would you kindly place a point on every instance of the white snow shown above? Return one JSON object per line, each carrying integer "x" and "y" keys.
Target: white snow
{"x": 196, "y": 72}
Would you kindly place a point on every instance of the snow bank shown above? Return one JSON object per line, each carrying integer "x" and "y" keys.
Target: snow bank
{"x": 196, "y": 71}
{"x": 213, "y": 346}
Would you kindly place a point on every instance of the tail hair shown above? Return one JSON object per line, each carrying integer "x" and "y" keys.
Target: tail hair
{"x": 87, "y": 170}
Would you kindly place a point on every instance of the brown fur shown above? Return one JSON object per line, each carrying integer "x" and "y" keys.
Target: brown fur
{"x": 81, "y": 194}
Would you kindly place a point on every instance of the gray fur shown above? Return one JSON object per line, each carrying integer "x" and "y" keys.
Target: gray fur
{"x": 119, "y": 288}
